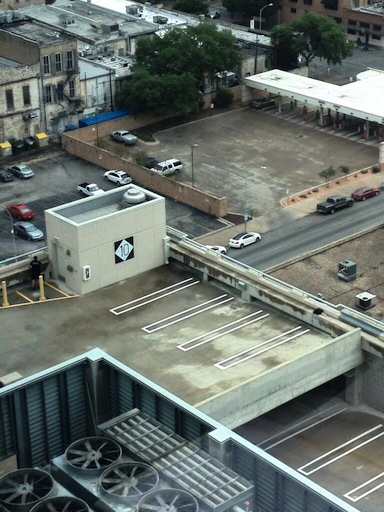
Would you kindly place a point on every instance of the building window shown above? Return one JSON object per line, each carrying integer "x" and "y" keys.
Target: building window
{"x": 58, "y": 64}
{"x": 307, "y": 2}
{"x": 293, "y": 10}
{"x": 352, "y": 23}
{"x": 70, "y": 59}
{"x": 9, "y": 99}
{"x": 60, "y": 91}
{"x": 71, "y": 88}
{"x": 364, "y": 25}
{"x": 377, "y": 28}
{"x": 351, "y": 31}
{"x": 378, "y": 38}
{"x": 337, "y": 19}
{"x": 48, "y": 94}
{"x": 331, "y": 4}
{"x": 26, "y": 95}
{"x": 46, "y": 64}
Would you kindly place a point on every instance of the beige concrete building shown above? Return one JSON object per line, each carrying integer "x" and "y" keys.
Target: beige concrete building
{"x": 54, "y": 97}
{"x": 102, "y": 240}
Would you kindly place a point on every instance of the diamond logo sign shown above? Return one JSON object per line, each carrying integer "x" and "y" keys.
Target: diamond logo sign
{"x": 124, "y": 250}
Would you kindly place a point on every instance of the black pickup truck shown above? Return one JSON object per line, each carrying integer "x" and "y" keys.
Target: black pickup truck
{"x": 334, "y": 203}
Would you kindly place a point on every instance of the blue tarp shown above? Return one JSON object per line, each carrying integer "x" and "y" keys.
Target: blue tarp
{"x": 102, "y": 117}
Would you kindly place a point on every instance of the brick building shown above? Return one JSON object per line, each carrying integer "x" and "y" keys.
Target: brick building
{"x": 42, "y": 89}
{"x": 363, "y": 21}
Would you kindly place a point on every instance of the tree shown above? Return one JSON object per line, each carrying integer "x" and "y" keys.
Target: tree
{"x": 327, "y": 174}
{"x": 192, "y": 6}
{"x": 313, "y": 36}
{"x": 161, "y": 95}
{"x": 170, "y": 71}
{"x": 343, "y": 169}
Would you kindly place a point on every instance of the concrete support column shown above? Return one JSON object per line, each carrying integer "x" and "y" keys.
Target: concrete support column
{"x": 321, "y": 119}
{"x": 354, "y": 386}
{"x": 220, "y": 445}
{"x": 381, "y": 156}
{"x": 280, "y": 104}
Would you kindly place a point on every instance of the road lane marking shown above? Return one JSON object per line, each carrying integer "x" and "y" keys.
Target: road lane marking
{"x": 340, "y": 447}
{"x": 296, "y": 432}
{"x": 216, "y": 332}
{"x": 354, "y": 499}
{"x": 223, "y": 366}
{"x": 156, "y": 296}
{"x": 183, "y": 316}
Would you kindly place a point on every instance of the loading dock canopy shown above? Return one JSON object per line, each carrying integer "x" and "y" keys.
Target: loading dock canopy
{"x": 361, "y": 99}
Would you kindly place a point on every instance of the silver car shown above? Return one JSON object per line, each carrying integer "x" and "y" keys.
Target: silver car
{"x": 124, "y": 136}
{"x": 119, "y": 177}
{"x": 21, "y": 171}
{"x": 28, "y": 230}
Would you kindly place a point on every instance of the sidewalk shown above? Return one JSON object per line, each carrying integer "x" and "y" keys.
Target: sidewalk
{"x": 297, "y": 206}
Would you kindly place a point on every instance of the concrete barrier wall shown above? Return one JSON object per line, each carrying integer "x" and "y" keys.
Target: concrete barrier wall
{"x": 79, "y": 143}
{"x": 285, "y": 382}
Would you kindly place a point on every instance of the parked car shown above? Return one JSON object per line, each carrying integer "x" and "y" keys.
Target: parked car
{"x": 17, "y": 145}
{"x": 21, "y": 171}
{"x": 6, "y": 176}
{"x": 217, "y": 248}
{"x": 28, "y": 230}
{"x": 151, "y": 162}
{"x": 124, "y": 136}
{"x": 30, "y": 142}
{"x": 168, "y": 167}
{"x": 214, "y": 14}
{"x": 242, "y": 239}
{"x": 261, "y": 103}
{"x": 20, "y": 211}
{"x": 363, "y": 193}
{"x": 119, "y": 177}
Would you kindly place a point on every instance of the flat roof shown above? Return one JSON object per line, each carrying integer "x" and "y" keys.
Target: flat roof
{"x": 85, "y": 14}
{"x": 38, "y": 32}
{"x": 362, "y": 98}
{"x": 93, "y": 208}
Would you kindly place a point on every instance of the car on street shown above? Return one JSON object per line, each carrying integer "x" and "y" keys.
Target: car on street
{"x": 242, "y": 239}
{"x": 28, "y": 230}
{"x": 119, "y": 177}
{"x": 6, "y": 176}
{"x": 216, "y": 248}
{"x": 20, "y": 211}
{"x": 363, "y": 193}
{"x": 124, "y": 136}
{"x": 21, "y": 171}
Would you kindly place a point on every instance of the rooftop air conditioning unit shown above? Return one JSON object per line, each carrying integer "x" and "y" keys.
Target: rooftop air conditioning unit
{"x": 365, "y": 300}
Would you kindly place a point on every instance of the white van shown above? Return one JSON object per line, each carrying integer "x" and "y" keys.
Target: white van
{"x": 168, "y": 167}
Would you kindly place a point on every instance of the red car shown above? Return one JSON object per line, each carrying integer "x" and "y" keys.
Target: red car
{"x": 21, "y": 211}
{"x": 361, "y": 194}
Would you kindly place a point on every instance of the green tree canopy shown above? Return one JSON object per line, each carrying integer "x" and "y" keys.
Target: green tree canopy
{"x": 192, "y": 6}
{"x": 161, "y": 95}
{"x": 170, "y": 70}
{"x": 314, "y": 36}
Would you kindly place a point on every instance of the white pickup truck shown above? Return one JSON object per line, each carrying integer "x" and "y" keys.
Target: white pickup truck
{"x": 89, "y": 189}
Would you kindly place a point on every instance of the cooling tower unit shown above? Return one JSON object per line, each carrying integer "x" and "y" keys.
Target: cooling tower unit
{"x": 24, "y": 488}
{"x": 61, "y": 504}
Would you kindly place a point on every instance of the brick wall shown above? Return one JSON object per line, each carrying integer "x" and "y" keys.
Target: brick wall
{"x": 80, "y": 143}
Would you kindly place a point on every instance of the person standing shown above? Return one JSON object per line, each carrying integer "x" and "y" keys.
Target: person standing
{"x": 35, "y": 267}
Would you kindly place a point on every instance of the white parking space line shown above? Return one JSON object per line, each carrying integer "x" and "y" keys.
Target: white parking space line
{"x": 183, "y": 315}
{"x": 308, "y": 427}
{"x": 216, "y": 333}
{"x": 377, "y": 482}
{"x": 302, "y": 469}
{"x": 237, "y": 358}
{"x": 157, "y": 296}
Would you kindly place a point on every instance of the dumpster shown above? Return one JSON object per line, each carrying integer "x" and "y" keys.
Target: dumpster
{"x": 5, "y": 149}
{"x": 42, "y": 139}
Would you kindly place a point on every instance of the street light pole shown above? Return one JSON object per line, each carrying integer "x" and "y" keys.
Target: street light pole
{"x": 192, "y": 164}
{"x": 257, "y": 37}
{"x": 261, "y": 12}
